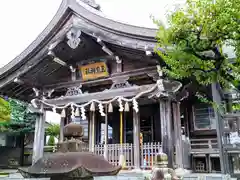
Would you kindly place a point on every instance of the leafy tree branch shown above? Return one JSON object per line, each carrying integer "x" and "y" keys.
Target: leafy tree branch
{"x": 193, "y": 42}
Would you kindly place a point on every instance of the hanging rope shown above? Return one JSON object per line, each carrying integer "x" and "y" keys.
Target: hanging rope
{"x": 100, "y": 102}
{"x": 120, "y": 100}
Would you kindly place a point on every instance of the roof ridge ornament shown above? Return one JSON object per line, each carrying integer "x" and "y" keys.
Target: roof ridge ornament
{"x": 91, "y": 3}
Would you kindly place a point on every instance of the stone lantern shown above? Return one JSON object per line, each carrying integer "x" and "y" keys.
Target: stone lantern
{"x": 160, "y": 168}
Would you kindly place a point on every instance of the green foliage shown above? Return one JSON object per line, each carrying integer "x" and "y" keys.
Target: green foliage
{"x": 53, "y": 130}
{"x": 21, "y": 120}
{"x": 236, "y": 107}
{"x": 194, "y": 39}
{"x": 51, "y": 141}
{"x": 5, "y": 111}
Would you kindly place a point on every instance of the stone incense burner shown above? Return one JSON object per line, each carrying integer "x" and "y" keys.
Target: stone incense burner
{"x": 72, "y": 160}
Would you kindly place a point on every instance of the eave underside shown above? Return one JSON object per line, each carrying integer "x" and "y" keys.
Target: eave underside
{"x": 47, "y": 72}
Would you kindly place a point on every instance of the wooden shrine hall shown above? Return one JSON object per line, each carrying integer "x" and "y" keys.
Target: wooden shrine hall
{"x": 104, "y": 75}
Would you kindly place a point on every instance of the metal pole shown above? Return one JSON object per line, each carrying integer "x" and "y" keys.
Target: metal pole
{"x": 121, "y": 127}
{"x": 93, "y": 131}
{"x": 106, "y": 136}
{"x": 121, "y": 157}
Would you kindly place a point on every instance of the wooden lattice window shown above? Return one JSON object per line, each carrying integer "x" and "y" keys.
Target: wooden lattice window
{"x": 203, "y": 117}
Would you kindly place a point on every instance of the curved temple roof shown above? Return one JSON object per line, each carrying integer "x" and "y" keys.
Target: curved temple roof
{"x": 91, "y": 22}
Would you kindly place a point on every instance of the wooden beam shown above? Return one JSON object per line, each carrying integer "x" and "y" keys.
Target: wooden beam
{"x": 107, "y": 94}
{"x": 132, "y": 73}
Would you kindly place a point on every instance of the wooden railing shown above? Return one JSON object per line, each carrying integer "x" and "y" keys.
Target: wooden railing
{"x": 114, "y": 152}
{"x": 204, "y": 146}
{"x": 148, "y": 151}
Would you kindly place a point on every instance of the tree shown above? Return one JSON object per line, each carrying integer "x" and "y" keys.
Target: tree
{"x": 5, "y": 111}
{"x": 18, "y": 121}
{"x": 17, "y": 118}
{"x": 51, "y": 141}
{"x": 192, "y": 42}
{"x": 53, "y": 130}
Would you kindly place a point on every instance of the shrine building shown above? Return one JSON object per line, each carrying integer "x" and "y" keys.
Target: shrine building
{"x": 105, "y": 75}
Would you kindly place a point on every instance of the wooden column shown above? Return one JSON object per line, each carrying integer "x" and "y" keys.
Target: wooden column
{"x": 61, "y": 137}
{"x": 106, "y": 135}
{"x": 90, "y": 131}
{"x": 38, "y": 145}
{"x": 136, "y": 139}
{"x": 36, "y": 141}
{"x": 178, "y": 135}
{"x": 92, "y": 137}
{"x": 220, "y": 129}
{"x": 166, "y": 130}
{"x": 73, "y": 74}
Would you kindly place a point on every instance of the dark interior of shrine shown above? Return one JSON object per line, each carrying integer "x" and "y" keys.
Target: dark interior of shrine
{"x": 149, "y": 125}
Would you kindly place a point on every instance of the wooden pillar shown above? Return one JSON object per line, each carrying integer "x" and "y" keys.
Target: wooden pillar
{"x": 115, "y": 127}
{"x": 136, "y": 139}
{"x": 178, "y": 135}
{"x": 61, "y": 137}
{"x": 166, "y": 130}
{"x": 73, "y": 74}
{"x": 92, "y": 134}
{"x": 106, "y": 135}
{"x": 90, "y": 131}
{"x": 220, "y": 128}
{"x": 38, "y": 145}
{"x": 36, "y": 141}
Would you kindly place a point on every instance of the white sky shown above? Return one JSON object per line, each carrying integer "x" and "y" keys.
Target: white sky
{"x": 23, "y": 20}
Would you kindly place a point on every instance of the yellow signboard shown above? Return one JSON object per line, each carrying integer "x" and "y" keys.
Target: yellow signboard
{"x": 94, "y": 71}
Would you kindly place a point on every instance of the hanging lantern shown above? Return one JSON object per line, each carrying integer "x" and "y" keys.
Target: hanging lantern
{"x": 92, "y": 107}
{"x": 135, "y": 105}
{"x": 110, "y": 108}
{"x": 77, "y": 112}
{"x": 63, "y": 113}
{"x": 120, "y": 105}
{"x": 126, "y": 107}
{"x": 101, "y": 110}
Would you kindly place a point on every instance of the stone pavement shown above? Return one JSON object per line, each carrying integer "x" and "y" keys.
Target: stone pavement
{"x": 123, "y": 175}
{"x": 129, "y": 175}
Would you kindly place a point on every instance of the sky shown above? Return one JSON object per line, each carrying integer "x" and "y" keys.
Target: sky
{"x": 23, "y": 20}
